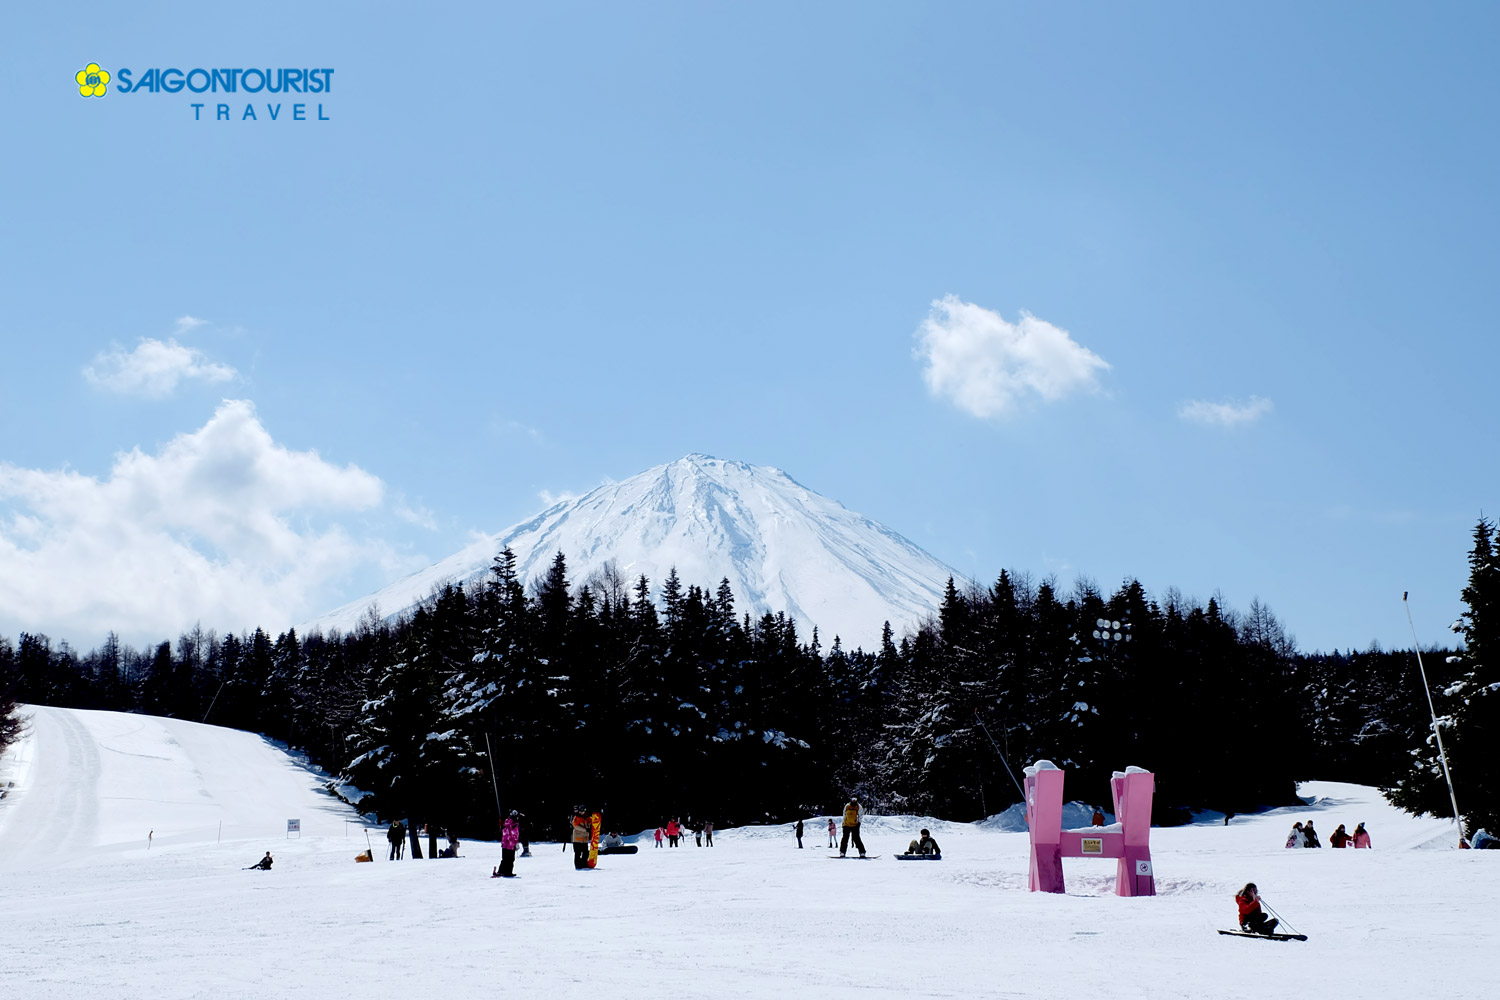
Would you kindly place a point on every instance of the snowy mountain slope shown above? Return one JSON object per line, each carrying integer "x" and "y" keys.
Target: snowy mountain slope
{"x": 781, "y": 546}
{"x": 91, "y": 912}
{"x": 101, "y": 783}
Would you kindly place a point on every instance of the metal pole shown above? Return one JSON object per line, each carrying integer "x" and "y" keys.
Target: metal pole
{"x": 999, "y": 754}
{"x": 1436, "y": 730}
{"x": 493, "y": 780}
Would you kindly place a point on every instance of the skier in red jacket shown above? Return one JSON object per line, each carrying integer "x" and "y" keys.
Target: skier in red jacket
{"x": 1253, "y": 919}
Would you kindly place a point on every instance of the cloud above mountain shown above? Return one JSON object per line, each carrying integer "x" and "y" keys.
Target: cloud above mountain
{"x": 990, "y": 367}
{"x": 222, "y": 524}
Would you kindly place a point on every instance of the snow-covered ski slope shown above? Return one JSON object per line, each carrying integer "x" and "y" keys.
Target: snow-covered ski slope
{"x": 781, "y": 546}
{"x": 91, "y": 912}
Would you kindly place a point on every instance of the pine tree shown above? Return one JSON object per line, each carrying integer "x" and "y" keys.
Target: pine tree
{"x": 10, "y": 709}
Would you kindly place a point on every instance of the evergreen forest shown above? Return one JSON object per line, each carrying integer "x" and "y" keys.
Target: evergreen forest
{"x": 652, "y": 701}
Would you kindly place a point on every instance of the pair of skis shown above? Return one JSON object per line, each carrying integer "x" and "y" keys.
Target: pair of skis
{"x": 1268, "y": 937}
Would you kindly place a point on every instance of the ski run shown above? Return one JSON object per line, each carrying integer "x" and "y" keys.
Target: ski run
{"x": 96, "y": 909}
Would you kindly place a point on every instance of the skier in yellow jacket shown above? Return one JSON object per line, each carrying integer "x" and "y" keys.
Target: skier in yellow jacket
{"x": 852, "y": 816}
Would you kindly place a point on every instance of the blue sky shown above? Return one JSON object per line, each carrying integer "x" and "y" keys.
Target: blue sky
{"x": 254, "y": 369}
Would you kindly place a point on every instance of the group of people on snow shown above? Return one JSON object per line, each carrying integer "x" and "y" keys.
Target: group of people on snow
{"x": 672, "y": 831}
{"x": 1304, "y": 835}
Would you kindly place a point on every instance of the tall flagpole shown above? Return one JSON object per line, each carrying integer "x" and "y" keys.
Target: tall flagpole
{"x": 1436, "y": 729}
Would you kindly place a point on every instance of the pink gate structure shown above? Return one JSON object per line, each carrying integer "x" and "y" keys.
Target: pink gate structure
{"x": 1128, "y": 839}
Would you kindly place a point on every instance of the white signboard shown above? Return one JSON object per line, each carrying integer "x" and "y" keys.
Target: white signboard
{"x": 1143, "y": 868}
{"x": 294, "y": 826}
{"x": 1093, "y": 845}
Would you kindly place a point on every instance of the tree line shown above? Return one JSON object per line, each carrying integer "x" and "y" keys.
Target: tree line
{"x": 653, "y": 702}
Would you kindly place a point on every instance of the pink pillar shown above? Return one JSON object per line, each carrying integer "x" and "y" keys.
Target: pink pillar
{"x": 1133, "y": 789}
{"x": 1044, "y": 799}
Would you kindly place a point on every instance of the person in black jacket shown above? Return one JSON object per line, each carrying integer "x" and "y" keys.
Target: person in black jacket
{"x": 799, "y": 835}
{"x": 397, "y": 836}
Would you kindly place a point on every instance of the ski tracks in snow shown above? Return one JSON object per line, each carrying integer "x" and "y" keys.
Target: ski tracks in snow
{"x": 56, "y": 814}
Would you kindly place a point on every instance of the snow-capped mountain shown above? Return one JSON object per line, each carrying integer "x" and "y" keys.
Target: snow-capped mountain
{"x": 781, "y": 546}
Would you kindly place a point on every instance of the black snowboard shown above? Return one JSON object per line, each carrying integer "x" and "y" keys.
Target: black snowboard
{"x": 625, "y": 849}
{"x": 867, "y": 857}
{"x": 1267, "y": 937}
{"x": 919, "y": 857}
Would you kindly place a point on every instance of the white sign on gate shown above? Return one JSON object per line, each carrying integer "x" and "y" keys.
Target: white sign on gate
{"x": 1143, "y": 868}
{"x": 294, "y": 826}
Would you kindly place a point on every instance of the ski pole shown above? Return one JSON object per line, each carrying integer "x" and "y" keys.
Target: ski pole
{"x": 1280, "y": 920}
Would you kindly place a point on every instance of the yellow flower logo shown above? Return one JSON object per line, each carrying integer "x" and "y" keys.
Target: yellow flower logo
{"x": 92, "y": 81}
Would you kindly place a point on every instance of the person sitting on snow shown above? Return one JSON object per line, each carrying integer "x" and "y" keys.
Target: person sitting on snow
{"x": 1310, "y": 836}
{"x": 610, "y": 840}
{"x": 264, "y": 864}
{"x": 451, "y": 851}
{"x": 1253, "y": 919}
{"x": 1339, "y": 838}
{"x": 1295, "y": 839}
{"x": 926, "y": 845}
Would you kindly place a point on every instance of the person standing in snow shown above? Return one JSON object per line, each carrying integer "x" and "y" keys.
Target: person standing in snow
{"x": 1295, "y": 838}
{"x": 674, "y": 830}
{"x": 852, "y": 816}
{"x": 1361, "y": 836}
{"x": 798, "y": 830}
{"x": 708, "y": 831}
{"x": 510, "y": 836}
{"x": 1339, "y": 838}
{"x": 581, "y": 838}
{"x": 659, "y": 835}
{"x": 396, "y": 838}
{"x": 831, "y": 835}
{"x": 1098, "y": 817}
{"x": 1253, "y": 919}
{"x": 1310, "y": 836}
{"x": 432, "y": 836}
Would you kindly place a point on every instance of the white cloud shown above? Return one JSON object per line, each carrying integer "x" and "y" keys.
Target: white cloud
{"x": 221, "y": 525}
{"x": 187, "y": 324}
{"x": 988, "y": 367}
{"x": 416, "y": 514}
{"x": 549, "y": 498}
{"x": 1201, "y": 411}
{"x": 154, "y": 368}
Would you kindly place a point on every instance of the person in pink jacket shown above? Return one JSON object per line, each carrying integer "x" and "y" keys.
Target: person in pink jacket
{"x": 510, "y": 836}
{"x": 1361, "y": 836}
{"x": 658, "y": 836}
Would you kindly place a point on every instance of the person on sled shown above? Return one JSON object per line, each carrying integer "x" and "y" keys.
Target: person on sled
{"x": 1253, "y": 919}
{"x": 926, "y": 845}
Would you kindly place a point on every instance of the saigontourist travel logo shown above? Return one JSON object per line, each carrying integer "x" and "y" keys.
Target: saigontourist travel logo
{"x": 229, "y": 87}
{"x": 92, "y": 81}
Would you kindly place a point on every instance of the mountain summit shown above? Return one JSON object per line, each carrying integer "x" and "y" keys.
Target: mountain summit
{"x": 781, "y": 546}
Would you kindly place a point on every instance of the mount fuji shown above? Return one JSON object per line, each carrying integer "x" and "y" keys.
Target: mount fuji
{"x": 782, "y": 547}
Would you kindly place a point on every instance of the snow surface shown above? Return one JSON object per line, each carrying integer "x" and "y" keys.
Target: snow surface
{"x": 781, "y": 546}
{"x": 90, "y": 911}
